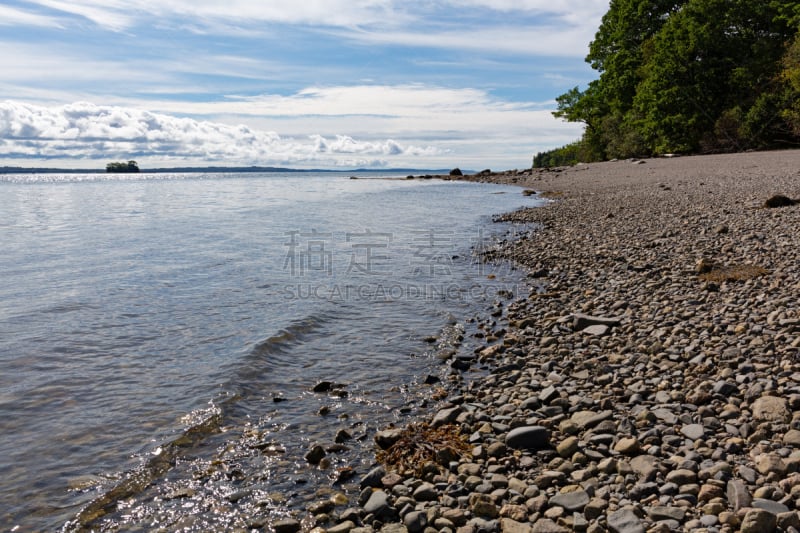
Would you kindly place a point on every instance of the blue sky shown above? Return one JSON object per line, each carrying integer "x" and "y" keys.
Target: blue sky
{"x": 304, "y": 84}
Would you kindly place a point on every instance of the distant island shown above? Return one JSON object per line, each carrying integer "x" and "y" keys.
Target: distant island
{"x": 120, "y": 167}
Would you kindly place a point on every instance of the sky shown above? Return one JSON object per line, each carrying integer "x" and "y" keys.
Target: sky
{"x": 336, "y": 84}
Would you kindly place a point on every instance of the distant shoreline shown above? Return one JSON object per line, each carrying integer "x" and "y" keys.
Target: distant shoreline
{"x": 238, "y": 170}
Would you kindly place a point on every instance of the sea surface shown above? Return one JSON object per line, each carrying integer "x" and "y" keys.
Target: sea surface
{"x": 161, "y": 337}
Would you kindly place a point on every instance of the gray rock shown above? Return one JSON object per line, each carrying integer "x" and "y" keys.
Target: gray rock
{"x": 625, "y": 521}
{"x": 598, "y": 330}
{"x": 342, "y": 527}
{"x": 571, "y": 501}
{"x": 373, "y": 478}
{"x": 447, "y": 416}
{"x": 773, "y": 507}
{"x": 758, "y": 521}
{"x": 377, "y": 504}
{"x": 738, "y": 495}
{"x": 415, "y": 521}
{"x": 387, "y": 437}
{"x": 528, "y": 438}
{"x": 693, "y": 431}
{"x": 725, "y": 388}
{"x": 545, "y": 525}
{"x": 661, "y": 512}
{"x": 548, "y": 394}
{"x": 772, "y": 409}
{"x": 665, "y": 415}
{"x": 644, "y": 465}
{"x": 589, "y": 419}
{"x": 426, "y": 493}
{"x": 508, "y": 525}
{"x": 581, "y": 321}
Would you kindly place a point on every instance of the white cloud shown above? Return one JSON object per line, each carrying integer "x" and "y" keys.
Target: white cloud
{"x": 10, "y": 16}
{"x": 108, "y": 13}
{"x": 87, "y": 131}
{"x": 399, "y": 126}
{"x": 568, "y": 26}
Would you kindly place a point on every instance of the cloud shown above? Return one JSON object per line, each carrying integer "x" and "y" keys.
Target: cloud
{"x": 10, "y": 16}
{"x": 531, "y": 27}
{"x": 87, "y": 131}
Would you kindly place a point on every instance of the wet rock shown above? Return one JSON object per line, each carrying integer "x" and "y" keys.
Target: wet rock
{"x": 426, "y": 493}
{"x": 373, "y": 478}
{"x": 342, "y": 527}
{"x": 528, "y": 438}
{"x": 446, "y": 416}
{"x": 415, "y": 521}
{"x": 386, "y": 438}
{"x": 315, "y": 454}
{"x": 323, "y": 386}
{"x": 287, "y": 525}
{"x": 377, "y": 504}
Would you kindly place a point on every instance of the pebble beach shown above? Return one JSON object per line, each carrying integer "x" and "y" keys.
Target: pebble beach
{"x": 650, "y": 382}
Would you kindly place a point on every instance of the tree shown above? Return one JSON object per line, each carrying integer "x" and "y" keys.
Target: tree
{"x": 689, "y": 76}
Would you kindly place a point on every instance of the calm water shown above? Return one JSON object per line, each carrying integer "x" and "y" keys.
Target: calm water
{"x": 160, "y": 335}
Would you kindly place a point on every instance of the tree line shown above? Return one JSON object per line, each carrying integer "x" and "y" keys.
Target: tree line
{"x": 692, "y": 76}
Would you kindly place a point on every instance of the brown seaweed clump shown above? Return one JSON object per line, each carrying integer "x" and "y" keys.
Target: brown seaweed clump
{"x": 718, "y": 274}
{"x": 779, "y": 201}
{"x": 421, "y": 444}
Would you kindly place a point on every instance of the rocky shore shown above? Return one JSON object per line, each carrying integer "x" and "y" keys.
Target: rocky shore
{"x": 649, "y": 383}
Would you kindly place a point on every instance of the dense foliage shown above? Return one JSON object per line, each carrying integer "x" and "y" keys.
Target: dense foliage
{"x": 690, "y": 76}
{"x": 122, "y": 167}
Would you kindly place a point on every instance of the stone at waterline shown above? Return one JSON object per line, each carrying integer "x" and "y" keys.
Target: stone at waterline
{"x": 373, "y": 478}
{"x": 446, "y": 416}
{"x": 415, "y": 521}
{"x": 531, "y": 438}
{"x": 315, "y": 454}
{"x": 323, "y": 386}
{"x": 387, "y": 437}
{"x": 287, "y": 525}
{"x": 377, "y": 504}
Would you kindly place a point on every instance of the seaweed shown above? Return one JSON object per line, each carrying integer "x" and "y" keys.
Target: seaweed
{"x": 421, "y": 444}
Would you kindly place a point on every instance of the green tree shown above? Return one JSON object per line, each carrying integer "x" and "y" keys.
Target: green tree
{"x": 688, "y": 76}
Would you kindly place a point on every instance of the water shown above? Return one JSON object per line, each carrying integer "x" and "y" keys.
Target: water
{"x": 160, "y": 335}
